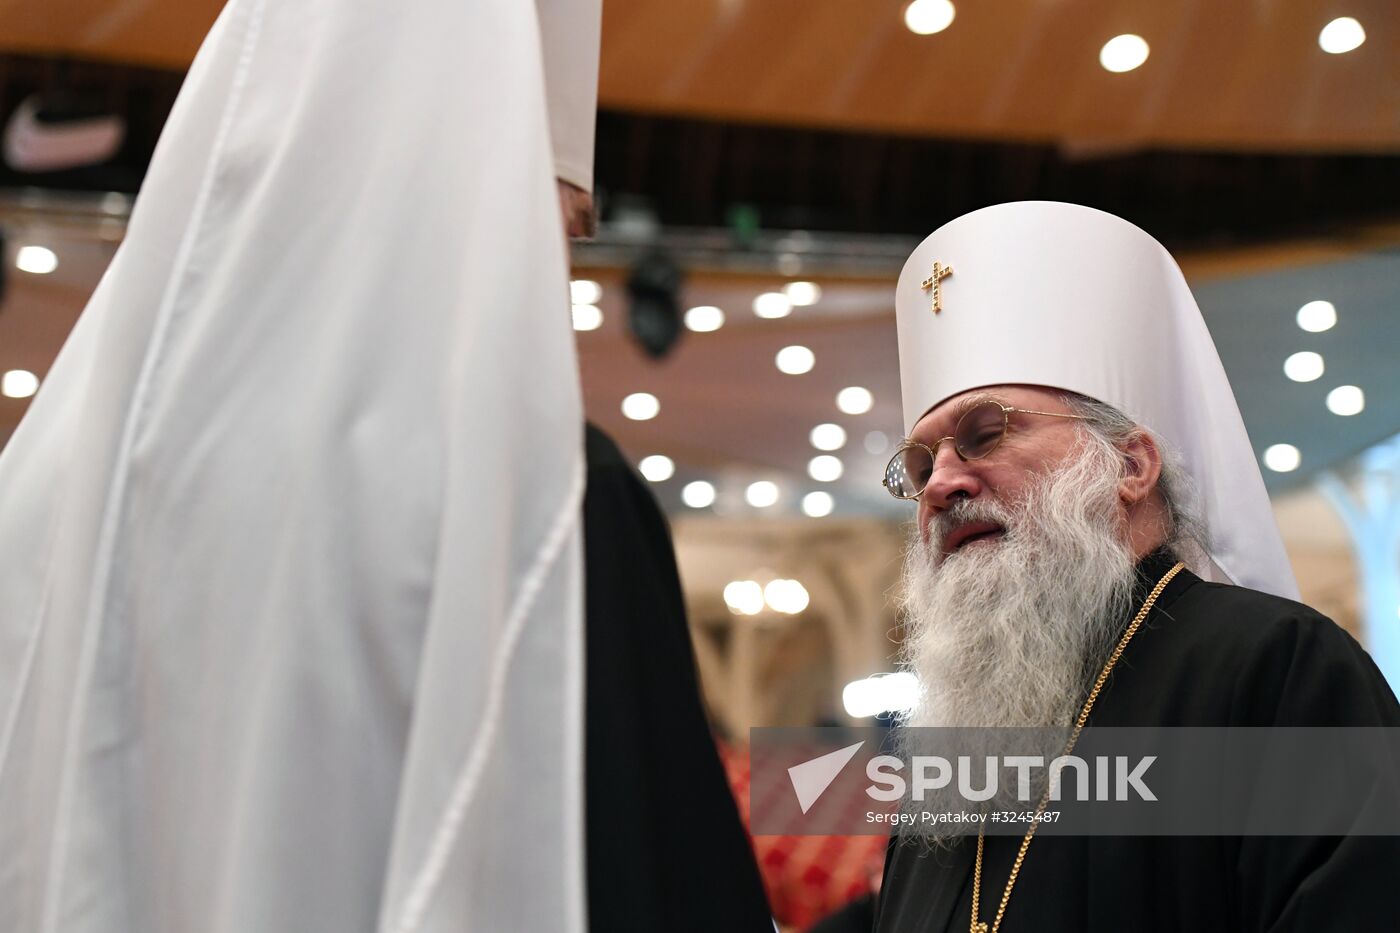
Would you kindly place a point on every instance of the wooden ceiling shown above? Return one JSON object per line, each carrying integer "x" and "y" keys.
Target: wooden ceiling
{"x": 1223, "y": 74}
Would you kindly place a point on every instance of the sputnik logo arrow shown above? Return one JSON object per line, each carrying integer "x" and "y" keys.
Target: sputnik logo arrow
{"x": 811, "y": 778}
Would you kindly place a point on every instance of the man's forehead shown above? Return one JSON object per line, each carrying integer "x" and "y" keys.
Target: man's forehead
{"x": 947, "y": 412}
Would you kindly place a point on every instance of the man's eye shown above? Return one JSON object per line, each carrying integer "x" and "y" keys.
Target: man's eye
{"x": 986, "y": 434}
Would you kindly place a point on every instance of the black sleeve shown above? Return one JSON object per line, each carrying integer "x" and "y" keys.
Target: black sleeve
{"x": 666, "y": 849}
{"x": 1312, "y": 673}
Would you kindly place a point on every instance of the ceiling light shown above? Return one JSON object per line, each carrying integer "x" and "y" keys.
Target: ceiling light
{"x": 761, "y": 494}
{"x": 854, "y": 400}
{"x": 19, "y": 383}
{"x": 657, "y": 468}
{"x": 39, "y": 260}
{"x": 828, "y": 437}
{"x": 860, "y": 698}
{"x": 880, "y": 693}
{"x": 1304, "y": 366}
{"x": 1341, "y": 35}
{"x": 698, "y": 494}
{"x": 1282, "y": 458}
{"x": 825, "y": 468}
{"x": 641, "y": 406}
{"x": 786, "y": 596}
{"x": 876, "y": 442}
{"x": 926, "y": 17}
{"x": 1123, "y": 53}
{"x": 1317, "y": 316}
{"x": 817, "y": 504}
{"x": 802, "y": 294}
{"x": 744, "y": 597}
{"x": 116, "y": 204}
{"x": 795, "y": 360}
{"x": 1346, "y": 400}
{"x": 772, "y": 305}
{"x": 585, "y": 292}
{"x": 704, "y": 318}
{"x": 587, "y": 317}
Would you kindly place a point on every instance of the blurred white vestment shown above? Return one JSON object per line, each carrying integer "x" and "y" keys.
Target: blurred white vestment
{"x": 290, "y": 630}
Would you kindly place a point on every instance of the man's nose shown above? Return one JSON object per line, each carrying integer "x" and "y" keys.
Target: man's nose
{"x": 952, "y": 478}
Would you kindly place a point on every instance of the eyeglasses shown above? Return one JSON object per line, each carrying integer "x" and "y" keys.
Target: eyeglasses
{"x": 978, "y": 432}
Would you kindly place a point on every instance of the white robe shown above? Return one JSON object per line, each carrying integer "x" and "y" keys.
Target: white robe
{"x": 290, "y": 632}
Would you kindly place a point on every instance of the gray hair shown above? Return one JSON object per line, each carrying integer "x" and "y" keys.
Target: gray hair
{"x": 1186, "y": 535}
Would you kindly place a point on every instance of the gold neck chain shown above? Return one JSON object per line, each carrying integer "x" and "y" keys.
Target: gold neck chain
{"x": 1069, "y": 746}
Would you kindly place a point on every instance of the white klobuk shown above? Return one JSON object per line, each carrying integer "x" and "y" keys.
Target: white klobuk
{"x": 1068, "y": 297}
{"x": 290, "y": 568}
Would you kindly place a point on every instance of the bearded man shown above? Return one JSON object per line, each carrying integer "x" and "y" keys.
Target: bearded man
{"x": 1088, "y": 501}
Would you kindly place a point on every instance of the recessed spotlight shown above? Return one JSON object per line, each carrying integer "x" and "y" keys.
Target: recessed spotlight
{"x": 1343, "y": 34}
{"x": 854, "y": 400}
{"x": 116, "y": 203}
{"x": 698, "y": 494}
{"x": 879, "y": 694}
{"x": 40, "y": 260}
{"x": 825, "y": 468}
{"x": 641, "y": 406}
{"x": 817, "y": 504}
{"x": 926, "y": 17}
{"x": 1317, "y": 316}
{"x": 1123, "y": 53}
{"x": 1304, "y": 366}
{"x": 1346, "y": 400}
{"x": 786, "y": 596}
{"x": 744, "y": 597}
{"x": 1282, "y": 458}
{"x": 802, "y": 294}
{"x": 585, "y": 292}
{"x": 795, "y": 360}
{"x": 761, "y": 494}
{"x": 704, "y": 318}
{"x": 772, "y": 305}
{"x": 828, "y": 437}
{"x": 19, "y": 383}
{"x": 876, "y": 442}
{"x": 587, "y": 317}
{"x": 657, "y": 468}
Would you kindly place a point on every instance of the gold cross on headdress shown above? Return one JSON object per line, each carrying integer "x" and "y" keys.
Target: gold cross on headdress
{"x": 940, "y": 272}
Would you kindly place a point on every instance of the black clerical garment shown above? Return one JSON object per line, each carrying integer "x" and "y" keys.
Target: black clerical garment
{"x": 1207, "y": 655}
{"x": 666, "y": 850}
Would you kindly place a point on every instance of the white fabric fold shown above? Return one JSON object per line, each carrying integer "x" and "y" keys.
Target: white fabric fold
{"x": 290, "y": 584}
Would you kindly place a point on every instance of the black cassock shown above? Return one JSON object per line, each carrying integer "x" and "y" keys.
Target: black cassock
{"x": 666, "y": 850}
{"x": 1207, "y": 655}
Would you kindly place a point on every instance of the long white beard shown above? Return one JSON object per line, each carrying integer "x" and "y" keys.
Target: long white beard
{"x": 1007, "y": 635}
{"x": 1010, "y": 632}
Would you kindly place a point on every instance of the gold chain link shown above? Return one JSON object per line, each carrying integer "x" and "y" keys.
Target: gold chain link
{"x": 1069, "y": 746}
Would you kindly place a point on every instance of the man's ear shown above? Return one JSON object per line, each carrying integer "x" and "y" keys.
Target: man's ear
{"x": 1143, "y": 467}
